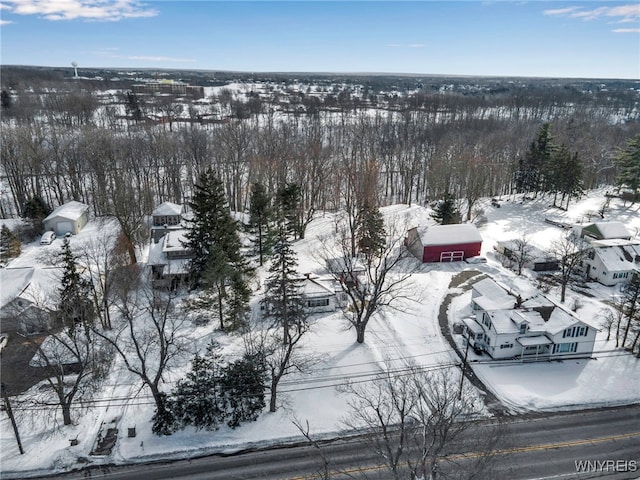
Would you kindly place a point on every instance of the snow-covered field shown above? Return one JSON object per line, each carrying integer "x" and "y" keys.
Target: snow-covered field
{"x": 410, "y": 332}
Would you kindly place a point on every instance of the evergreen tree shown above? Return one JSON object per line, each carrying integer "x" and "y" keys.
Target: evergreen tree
{"x": 572, "y": 179}
{"x": 133, "y": 107}
{"x": 628, "y": 163}
{"x": 260, "y": 215}
{"x": 530, "y": 175}
{"x": 446, "y": 212}
{"x": 74, "y": 306}
{"x": 196, "y": 400}
{"x": 243, "y": 389}
{"x": 9, "y": 244}
{"x": 370, "y": 230}
{"x": 282, "y": 300}
{"x": 290, "y": 205}
{"x": 35, "y": 210}
{"x": 5, "y": 99}
{"x": 217, "y": 265}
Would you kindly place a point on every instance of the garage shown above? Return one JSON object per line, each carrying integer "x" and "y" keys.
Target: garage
{"x": 63, "y": 227}
{"x": 444, "y": 243}
{"x": 68, "y": 218}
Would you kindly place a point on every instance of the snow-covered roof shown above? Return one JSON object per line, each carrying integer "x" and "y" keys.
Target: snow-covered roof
{"x": 314, "y": 286}
{"x": 533, "y": 341}
{"x": 32, "y": 284}
{"x": 608, "y": 230}
{"x": 449, "y": 234}
{"x": 502, "y": 322}
{"x": 166, "y": 209}
{"x": 174, "y": 241}
{"x": 72, "y": 210}
{"x": 344, "y": 264}
{"x": 618, "y": 255}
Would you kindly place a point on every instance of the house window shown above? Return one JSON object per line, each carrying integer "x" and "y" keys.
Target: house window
{"x": 565, "y": 347}
{"x": 591, "y": 255}
{"x": 506, "y": 345}
{"x": 523, "y": 328}
{"x": 486, "y": 321}
{"x": 318, "y": 302}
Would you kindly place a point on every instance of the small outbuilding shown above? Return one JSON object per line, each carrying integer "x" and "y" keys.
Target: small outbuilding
{"x": 70, "y": 217}
{"x": 444, "y": 243}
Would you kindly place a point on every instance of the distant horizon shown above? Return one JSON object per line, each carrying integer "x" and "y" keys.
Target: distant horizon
{"x": 319, "y": 73}
{"x": 503, "y": 38}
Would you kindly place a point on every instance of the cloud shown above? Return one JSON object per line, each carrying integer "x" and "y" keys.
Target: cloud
{"x": 97, "y": 10}
{"x": 625, "y": 13}
{"x": 5, "y": 22}
{"x": 161, "y": 59}
{"x": 626, "y": 30}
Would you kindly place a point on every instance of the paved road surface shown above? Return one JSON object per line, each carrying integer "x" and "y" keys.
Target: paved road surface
{"x": 536, "y": 447}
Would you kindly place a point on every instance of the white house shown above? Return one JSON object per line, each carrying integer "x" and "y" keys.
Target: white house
{"x": 612, "y": 261}
{"x": 508, "y": 326}
{"x": 321, "y": 294}
{"x": 68, "y": 218}
{"x": 169, "y": 259}
{"x": 166, "y": 216}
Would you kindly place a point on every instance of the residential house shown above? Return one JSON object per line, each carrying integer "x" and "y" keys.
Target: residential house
{"x": 321, "y": 294}
{"x": 506, "y": 325}
{"x": 538, "y": 260}
{"x": 348, "y": 270}
{"x": 165, "y": 217}
{"x": 170, "y": 259}
{"x": 444, "y": 243}
{"x": 602, "y": 231}
{"x": 612, "y": 261}
{"x": 26, "y": 299}
{"x": 68, "y": 218}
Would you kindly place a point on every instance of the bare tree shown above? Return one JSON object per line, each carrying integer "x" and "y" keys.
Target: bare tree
{"x": 570, "y": 252}
{"x": 521, "y": 253}
{"x": 101, "y": 258}
{"x": 148, "y": 336}
{"x": 414, "y": 418}
{"x": 370, "y": 282}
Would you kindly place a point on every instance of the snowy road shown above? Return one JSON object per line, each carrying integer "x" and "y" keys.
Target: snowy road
{"x": 587, "y": 444}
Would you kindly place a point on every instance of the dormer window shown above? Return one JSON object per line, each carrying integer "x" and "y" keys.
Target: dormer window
{"x": 523, "y": 328}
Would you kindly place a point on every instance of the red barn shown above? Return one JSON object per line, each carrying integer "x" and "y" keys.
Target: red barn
{"x": 444, "y": 243}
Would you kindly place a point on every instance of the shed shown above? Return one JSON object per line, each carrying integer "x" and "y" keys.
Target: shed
{"x": 444, "y": 243}
{"x": 604, "y": 231}
{"x": 68, "y": 218}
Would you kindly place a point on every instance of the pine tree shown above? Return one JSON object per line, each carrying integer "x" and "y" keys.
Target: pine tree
{"x": 572, "y": 179}
{"x": 282, "y": 300}
{"x": 243, "y": 389}
{"x": 217, "y": 265}
{"x": 9, "y": 244}
{"x": 370, "y": 230}
{"x": 446, "y": 212}
{"x": 196, "y": 400}
{"x": 35, "y": 211}
{"x": 289, "y": 203}
{"x": 530, "y": 175}
{"x": 260, "y": 213}
{"x": 74, "y": 306}
{"x": 628, "y": 163}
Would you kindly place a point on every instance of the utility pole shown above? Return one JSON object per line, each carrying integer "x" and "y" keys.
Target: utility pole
{"x": 7, "y": 406}
{"x": 464, "y": 367}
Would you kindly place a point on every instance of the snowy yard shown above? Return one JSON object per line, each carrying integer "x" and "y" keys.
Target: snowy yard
{"x": 410, "y": 332}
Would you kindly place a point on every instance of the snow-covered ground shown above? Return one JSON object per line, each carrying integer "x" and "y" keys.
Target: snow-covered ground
{"x": 410, "y": 332}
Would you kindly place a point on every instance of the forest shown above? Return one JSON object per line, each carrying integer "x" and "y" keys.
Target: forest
{"x": 400, "y": 139}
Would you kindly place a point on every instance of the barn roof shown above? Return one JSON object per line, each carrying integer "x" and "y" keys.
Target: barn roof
{"x": 449, "y": 234}
{"x": 72, "y": 210}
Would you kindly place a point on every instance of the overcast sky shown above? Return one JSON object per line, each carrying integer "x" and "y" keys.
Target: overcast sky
{"x": 593, "y": 39}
